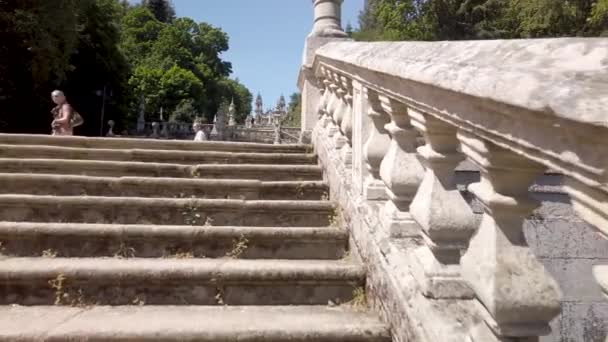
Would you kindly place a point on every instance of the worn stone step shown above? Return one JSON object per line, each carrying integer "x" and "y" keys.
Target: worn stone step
{"x": 71, "y": 185}
{"x": 116, "y": 281}
{"x": 169, "y": 211}
{"x": 146, "y": 241}
{"x": 149, "y": 144}
{"x": 160, "y": 156}
{"x": 191, "y": 323}
{"x": 141, "y": 169}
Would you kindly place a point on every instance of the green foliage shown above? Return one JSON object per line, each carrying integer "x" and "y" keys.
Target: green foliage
{"x": 184, "y": 112}
{"x": 480, "y": 19}
{"x": 66, "y": 44}
{"x": 133, "y": 51}
{"x": 180, "y": 61}
{"x": 233, "y": 89}
{"x": 162, "y": 9}
{"x": 294, "y": 111}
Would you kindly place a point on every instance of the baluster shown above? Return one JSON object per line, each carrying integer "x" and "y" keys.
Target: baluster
{"x": 591, "y": 204}
{"x": 376, "y": 147}
{"x": 322, "y": 109}
{"x": 519, "y": 297}
{"x": 400, "y": 170}
{"x": 332, "y": 105}
{"x": 347, "y": 124}
{"x": 446, "y": 219}
{"x": 338, "y": 139}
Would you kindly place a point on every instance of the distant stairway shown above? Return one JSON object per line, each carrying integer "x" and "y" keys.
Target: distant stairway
{"x": 145, "y": 240}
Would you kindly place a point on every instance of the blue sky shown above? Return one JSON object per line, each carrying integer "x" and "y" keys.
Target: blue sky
{"x": 266, "y": 38}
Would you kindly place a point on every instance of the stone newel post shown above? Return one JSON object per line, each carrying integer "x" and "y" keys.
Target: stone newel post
{"x": 326, "y": 28}
{"x": 328, "y": 19}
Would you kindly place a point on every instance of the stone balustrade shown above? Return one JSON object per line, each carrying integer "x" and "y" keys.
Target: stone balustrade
{"x": 394, "y": 121}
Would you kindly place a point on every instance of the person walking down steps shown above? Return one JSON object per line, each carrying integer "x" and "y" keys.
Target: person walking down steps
{"x": 197, "y": 126}
{"x": 65, "y": 118}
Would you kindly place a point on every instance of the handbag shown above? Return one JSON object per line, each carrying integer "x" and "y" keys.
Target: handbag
{"x": 76, "y": 119}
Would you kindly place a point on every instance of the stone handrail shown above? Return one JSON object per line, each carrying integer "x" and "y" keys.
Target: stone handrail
{"x": 515, "y": 109}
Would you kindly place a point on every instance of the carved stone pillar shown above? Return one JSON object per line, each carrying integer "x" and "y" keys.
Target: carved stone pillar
{"x": 322, "y": 110}
{"x": 519, "y": 297}
{"x": 446, "y": 219}
{"x": 332, "y": 104}
{"x": 328, "y": 18}
{"x": 338, "y": 113}
{"x": 375, "y": 148}
{"x": 346, "y": 126}
{"x": 400, "y": 171}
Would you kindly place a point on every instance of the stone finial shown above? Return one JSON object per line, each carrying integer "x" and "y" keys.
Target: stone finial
{"x": 155, "y": 130}
{"x": 328, "y": 19}
{"x": 111, "y": 129}
{"x": 232, "y": 114}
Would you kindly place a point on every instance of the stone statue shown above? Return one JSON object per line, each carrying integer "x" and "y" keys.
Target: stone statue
{"x": 232, "y": 114}
{"x": 277, "y": 122}
{"x": 111, "y": 129}
{"x": 155, "y": 133}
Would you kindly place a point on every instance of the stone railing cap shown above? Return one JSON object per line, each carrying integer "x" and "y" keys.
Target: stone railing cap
{"x": 565, "y": 77}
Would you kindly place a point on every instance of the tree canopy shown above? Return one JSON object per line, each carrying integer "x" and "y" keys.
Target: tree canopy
{"x": 131, "y": 51}
{"x": 481, "y": 19}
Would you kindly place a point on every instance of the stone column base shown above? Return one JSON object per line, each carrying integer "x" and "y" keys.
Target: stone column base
{"x": 399, "y": 224}
{"x": 437, "y": 280}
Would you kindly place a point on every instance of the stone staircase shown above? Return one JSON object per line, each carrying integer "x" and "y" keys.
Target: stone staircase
{"x": 144, "y": 240}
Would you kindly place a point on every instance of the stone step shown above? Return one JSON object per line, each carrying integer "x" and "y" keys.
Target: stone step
{"x": 24, "y": 239}
{"x": 168, "y": 211}
{"x": 149, "y": 144}
{"x": 191, "y": 323}
{"x": 116, "y": 281}
{"x": 70, "y": 185}
{"x": 160, "y": 156}
{"x": 141, "y": 169}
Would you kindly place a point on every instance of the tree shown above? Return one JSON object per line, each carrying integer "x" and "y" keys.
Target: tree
{"x": 155, "y": 48}
{"x": 294, "y": 111}
{"x": 234, "y": 90}
{"x": 349, "y": 30}
{"x": 480, "y": 19}
{"x": 65, "y": 44}
{"x": 161, "y": 9}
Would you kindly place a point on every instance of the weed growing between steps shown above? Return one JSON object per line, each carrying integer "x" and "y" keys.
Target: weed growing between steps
{"x": 359, "y": 301}
{"x": 335, "y": 218}
{"x": 219, "y": 296}
{"x": 325, "y": 196}
{"x": 181, "y": 255}
{"x": 124, "y": 252}
{"x": 300, "y": 191}
{"x": 49, "y": 253}
{"x": 138, "y": 301}
{"x": 63, "y": 296}
{"x": 238, "y": 247}
{"x": 195, "y": 173}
